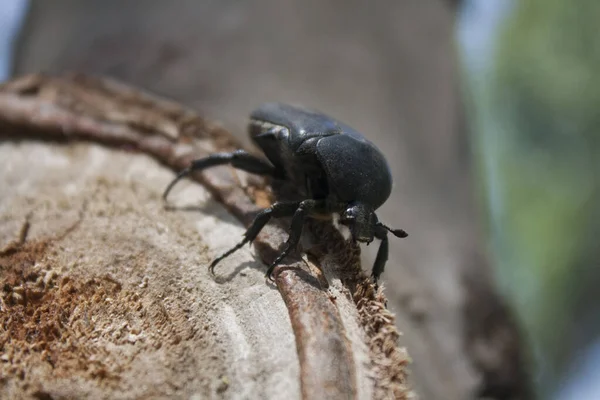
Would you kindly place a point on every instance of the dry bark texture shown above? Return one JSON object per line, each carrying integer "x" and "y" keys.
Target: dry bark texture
{"x": 106, "y": 294}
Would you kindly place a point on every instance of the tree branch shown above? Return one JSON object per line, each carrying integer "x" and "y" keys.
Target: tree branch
{"x": 324, "y": 314}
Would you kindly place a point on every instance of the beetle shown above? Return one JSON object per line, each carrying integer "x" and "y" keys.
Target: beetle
{"x": 332, "y": 166}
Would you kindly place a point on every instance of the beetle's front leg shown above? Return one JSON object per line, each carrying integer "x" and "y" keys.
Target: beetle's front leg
{"x": 304, "y": 209}
{"x": 381, "y": 233}
{"x": 277, "y": 210}
{"x": 382, "y": 253}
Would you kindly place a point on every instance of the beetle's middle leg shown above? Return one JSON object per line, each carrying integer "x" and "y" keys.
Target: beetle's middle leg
{"x": 239, "y": 159}
{"x": 277, "y": 210}
{"x": 303, "y": 210}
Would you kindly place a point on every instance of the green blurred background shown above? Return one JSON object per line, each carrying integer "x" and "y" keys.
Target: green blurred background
{"x": 534, "y": 109}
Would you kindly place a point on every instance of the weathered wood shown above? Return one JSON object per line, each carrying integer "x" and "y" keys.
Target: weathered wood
{"x": 340, "y": 353}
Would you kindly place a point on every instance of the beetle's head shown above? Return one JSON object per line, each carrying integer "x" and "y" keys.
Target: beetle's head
{"x": 361, "y": 220}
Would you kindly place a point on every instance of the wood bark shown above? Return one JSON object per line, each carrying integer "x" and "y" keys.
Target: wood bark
{"x": 345, "y": 338}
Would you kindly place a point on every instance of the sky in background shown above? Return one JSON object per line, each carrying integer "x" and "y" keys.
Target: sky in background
{"x": 11, "y": 17}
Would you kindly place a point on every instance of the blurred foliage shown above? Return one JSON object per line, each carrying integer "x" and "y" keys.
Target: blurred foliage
{"x": 537, "y": 127}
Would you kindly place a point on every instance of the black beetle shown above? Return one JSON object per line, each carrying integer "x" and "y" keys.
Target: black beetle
{"x": 334, "y": 167}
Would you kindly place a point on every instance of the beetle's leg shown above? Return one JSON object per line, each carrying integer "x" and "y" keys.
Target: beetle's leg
{"x": 303, "y": 210}
{"x": 381, "y": 233}
{"x": 277, "y": 210}
{"x": 239, "y": 159}
{"x": 382, "y": 253}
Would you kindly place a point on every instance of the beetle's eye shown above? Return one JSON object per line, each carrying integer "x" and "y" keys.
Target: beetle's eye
{"x": 347, "y": 219}
{"x": 348, "y": 216}
{"x": 344, "y": 221}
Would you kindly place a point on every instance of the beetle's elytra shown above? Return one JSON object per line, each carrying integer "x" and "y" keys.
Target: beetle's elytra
{"x": 332, "y": 165}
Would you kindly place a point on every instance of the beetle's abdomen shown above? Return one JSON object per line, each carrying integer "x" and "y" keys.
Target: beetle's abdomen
{"x": 356, "y": 170}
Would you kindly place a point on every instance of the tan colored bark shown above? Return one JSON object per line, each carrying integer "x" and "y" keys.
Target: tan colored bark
{"x": 106, "y": 292}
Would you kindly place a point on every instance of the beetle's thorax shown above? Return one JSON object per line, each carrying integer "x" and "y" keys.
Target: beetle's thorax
{"x": 293, "y": 152}
{"x": 356, "y": 170}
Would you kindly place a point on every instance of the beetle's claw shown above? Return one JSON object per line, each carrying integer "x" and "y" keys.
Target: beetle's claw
{"x": 211, "y": 267}
{"x": 179, "y": 177}
{"x": 269, "y": 273}
{"x": 211, "y": 270}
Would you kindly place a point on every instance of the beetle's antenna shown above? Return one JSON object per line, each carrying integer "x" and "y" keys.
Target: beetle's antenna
{"x": 179, "y": 176}
{"x": 401, "y": 233}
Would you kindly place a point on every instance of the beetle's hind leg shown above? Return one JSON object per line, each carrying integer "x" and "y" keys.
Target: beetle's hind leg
{"x": 277, "y": 210}
{"x": 239, "y": 159}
